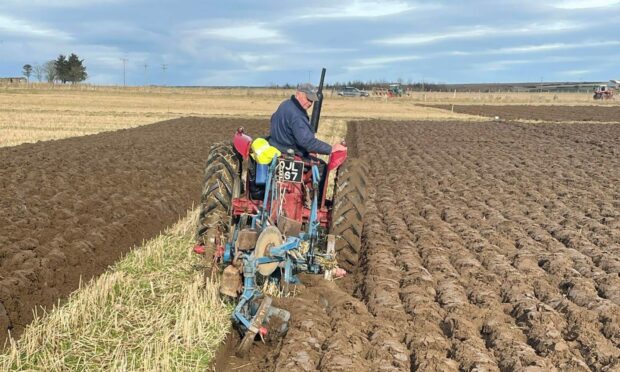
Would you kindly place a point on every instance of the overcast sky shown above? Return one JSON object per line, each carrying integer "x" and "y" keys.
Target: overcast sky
{"x": 256, "y": 43}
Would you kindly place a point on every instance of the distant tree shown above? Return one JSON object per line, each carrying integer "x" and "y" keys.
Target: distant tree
{"x": 76, "y": 71}
{"x": 62, "y": 68}
{"x": 38, "y": 72}
{"x": 49, "y": 69}
{"x": 27, "y": 71}
{"x": 70, "y": 69}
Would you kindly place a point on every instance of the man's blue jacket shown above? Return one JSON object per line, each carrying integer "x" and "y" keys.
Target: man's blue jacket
{"x": 290, "y": 129}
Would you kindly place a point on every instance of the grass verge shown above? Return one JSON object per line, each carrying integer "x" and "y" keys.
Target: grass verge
{"x": 150, "y": 311}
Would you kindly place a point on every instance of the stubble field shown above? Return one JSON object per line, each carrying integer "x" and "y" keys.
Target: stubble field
{"x": 486, "y": 246}
{"x": 40, "y": 112}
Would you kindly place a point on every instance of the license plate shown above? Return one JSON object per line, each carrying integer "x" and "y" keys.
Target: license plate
{"x": 290, "y": 170}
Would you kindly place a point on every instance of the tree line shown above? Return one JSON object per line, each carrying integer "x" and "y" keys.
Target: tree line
{"x": 371, "y": 84}
{"x": 62, "y": 69}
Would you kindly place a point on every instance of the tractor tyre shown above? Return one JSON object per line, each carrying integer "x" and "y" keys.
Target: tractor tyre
{"x": 348, "y": 212}
{"x": 221, "y": 183}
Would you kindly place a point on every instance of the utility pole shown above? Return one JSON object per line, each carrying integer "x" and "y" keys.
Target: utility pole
{"x": 541, "y": 84}
{"x": 163, "y": 68}
{"x": 124, "y": 65}
{"x": 146, "y": 80}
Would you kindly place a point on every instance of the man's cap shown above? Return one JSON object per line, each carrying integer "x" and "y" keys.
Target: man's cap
{"x": 310, "y": 91}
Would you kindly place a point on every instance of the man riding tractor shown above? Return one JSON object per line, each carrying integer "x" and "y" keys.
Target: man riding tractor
{"x": 265, "y": 216}
{"x": 291, "y": 128}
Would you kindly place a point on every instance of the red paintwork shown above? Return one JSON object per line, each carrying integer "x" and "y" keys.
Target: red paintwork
{"x": 292, "y": 209}
{"x": 292, "y": 205}
{"x": 263, "y": 331}
{"x": 244, "y": 205}
{"x": 242, "y": 143}
{"x": 337, "y": 157}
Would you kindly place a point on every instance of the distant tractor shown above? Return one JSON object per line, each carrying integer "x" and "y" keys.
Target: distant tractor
{"x": 603, "y": 91}
{"x": 395, "y": 90}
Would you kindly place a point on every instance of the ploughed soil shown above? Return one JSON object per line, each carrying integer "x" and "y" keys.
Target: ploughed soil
{"x": 69, "y": 208}
{"x": 542, "y": 113}
{"x": 486, "y": 246}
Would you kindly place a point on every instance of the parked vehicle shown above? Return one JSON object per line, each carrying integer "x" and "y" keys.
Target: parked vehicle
{"x": 604, "y": 91}
{"x": 352, "y": 92}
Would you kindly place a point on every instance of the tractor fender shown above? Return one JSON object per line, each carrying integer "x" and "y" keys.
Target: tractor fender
{"x": 337, "y": 157}
{"x": 242, "y": 143}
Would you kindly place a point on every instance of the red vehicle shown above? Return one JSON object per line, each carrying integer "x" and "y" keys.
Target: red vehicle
{"x": 603, "y": 92}
{"x": 259, "y": 225}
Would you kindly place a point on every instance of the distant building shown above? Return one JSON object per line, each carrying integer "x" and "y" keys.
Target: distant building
{"x": 13, "y": 80}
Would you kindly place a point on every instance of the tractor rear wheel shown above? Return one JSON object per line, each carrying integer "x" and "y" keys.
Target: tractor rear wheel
{"x": 221, "y": 183}
{"x": 348, "y": 212}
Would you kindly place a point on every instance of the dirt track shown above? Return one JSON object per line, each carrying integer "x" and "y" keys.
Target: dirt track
{"x": 543, "y": 113}
{"x": 486, "y": 247}
{"x": 70, "y": 208}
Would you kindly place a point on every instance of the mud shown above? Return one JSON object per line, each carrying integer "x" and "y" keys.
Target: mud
{"x": 70, "y": 208}
{"x": 543, "y": 113}
{"x": 486, "y": 246}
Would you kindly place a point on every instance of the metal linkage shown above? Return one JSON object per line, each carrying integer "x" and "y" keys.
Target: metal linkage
{"x": 296, "y": 254}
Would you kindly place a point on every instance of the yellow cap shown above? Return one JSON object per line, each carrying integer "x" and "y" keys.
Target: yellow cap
{"x": 262, "y": 152}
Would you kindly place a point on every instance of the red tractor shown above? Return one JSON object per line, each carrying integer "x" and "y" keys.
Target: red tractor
{"x": 262, "y": 224}
{"x": 603, "y": 91}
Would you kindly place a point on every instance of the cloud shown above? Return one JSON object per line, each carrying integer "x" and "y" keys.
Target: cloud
{"x": 376, "y": 63}
{"x": 62, "y": 3}
{"x": 580, "y": 4}
{"x": 226, "y": 77}
{"x": 116, "y": 29}
{"x": 379, "y": 62}
{"x": 245, "y": 33}
{"x": 506, "y": 64}
{"x": 223, "y": 39}
{"x": 359, "y": 9}
{"x": 354, "y": 39}
{"x": 30, "y": 29}
{"x": 575, "y": 72}
{"x": 479, "y": 31}
{"x": 322, "y": 50}
{"x": 540, "y": 48}
{"x": 259, "y": 62}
